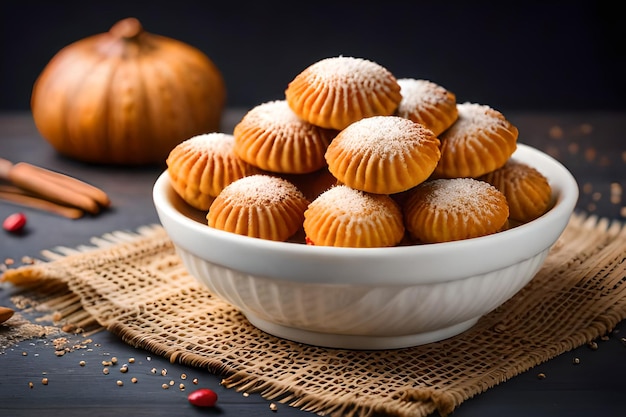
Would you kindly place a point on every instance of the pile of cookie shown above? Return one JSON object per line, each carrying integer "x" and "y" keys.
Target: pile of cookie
{"x": 354, "y": 157}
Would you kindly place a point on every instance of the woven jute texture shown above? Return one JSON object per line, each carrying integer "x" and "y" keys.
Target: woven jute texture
{"x": 134, "y": 285}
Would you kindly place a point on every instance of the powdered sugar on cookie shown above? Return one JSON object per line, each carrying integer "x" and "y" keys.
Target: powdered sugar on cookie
{"x": 476, "y": 118}
{"x": 275, "y": 113}
{"x": 215, "y": 142}
{"x": 260, "y": 189}
{"x": 383, "y": 135}
{"x": 464, "y": 195}
{"x": 350, "y": 203}
{"x": 339, "y": 70}
{"x": 419, "y": 93}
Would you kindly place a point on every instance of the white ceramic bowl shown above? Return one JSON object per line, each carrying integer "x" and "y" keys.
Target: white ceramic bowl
{"x": 368, "y": 298}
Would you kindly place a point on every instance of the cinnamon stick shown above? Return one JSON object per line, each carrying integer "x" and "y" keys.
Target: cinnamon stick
{"x": 59, "y": 191}
{"x": 56, "y": 188}
{"x": 18, "y": 196}
{"x": 72, "y": 183}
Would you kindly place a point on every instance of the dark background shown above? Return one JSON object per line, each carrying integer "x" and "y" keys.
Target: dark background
{"x": 510, "y": 55}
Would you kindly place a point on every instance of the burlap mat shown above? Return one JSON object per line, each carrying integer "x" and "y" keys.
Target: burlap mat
{"x": 135, "y": 286}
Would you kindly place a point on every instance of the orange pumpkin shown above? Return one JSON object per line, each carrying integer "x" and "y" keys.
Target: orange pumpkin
{"x": 126, "y": 96}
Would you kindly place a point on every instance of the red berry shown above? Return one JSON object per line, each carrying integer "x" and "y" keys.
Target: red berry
{"x": 203, "y": 397}
{"x": 14, "y": 223}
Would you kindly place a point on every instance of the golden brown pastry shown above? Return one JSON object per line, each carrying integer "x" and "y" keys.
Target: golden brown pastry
{"x": 201, "y": 166}
{"x": 383, "y": 154}
{"x": 272, "y": 137}
{"x": 345, "y": 217}
{"x": 261, "y": 206}
{"x": 337, "y": 91}
{"x": 449, "y": 209}
{"x": 427, "y": 103}
{"x": 481, "y": 140}
{"x": 526, "y": 189}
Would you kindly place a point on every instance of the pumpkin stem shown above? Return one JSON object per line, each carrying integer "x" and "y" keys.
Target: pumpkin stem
{"x": 126, "y": 28}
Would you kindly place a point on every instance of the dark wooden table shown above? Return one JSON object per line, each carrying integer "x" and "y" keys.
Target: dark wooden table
{"x": 586, "y": 381}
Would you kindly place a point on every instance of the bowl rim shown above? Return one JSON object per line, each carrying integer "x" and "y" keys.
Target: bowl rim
{"x": 553, "y": 222}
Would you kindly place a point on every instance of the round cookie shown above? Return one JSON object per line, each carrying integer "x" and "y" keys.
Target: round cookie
{"x": 337, "y": 91}
{"x": 345, "y": 217}
{"x": 427, "y": 103}
{"x": 527, "y": 190}
{"x": 261, "y": 206}
{"x": 481, "y": 140}
{"x": 201, "y": 166}
{"x": 449, "y": 209}
{"x": 272, "y": 137}
{"x": 383, "y": 154}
